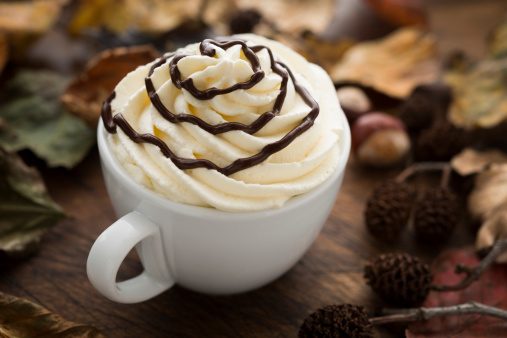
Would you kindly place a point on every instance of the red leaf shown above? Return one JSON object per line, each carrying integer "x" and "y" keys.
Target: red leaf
{"x": 490, "y": 289}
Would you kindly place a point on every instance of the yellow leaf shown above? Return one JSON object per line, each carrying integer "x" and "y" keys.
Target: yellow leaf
{"x": 394, "y": 65}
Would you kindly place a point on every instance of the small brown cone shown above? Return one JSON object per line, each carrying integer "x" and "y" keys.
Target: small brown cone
{"x": 344, "y": 320}
{"x": 399, "y": 278}
{"x": 388, "y": 209}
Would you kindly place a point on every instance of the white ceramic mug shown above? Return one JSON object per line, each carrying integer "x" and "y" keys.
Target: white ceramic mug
{"x": 202, "y": 249}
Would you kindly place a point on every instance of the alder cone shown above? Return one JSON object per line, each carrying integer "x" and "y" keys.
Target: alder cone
{"x": 399, "y": 278}
{"x": 437, "y": 214}
{"x": 344, "y": 320}
{"x": 440, "y": 143}
{"x": 388, "y": 209}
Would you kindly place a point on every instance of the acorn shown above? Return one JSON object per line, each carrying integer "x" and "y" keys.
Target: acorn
{"x": 388, "y": 209}
{"x": 379, "y": 139}
{"x": 399, "y": 278}
{"x": 440, "y": 143}
{"x": 344, "y": 320}
{"x": 244, "y": 21}
{"x": 354, "y": 102}
{"x": 436, "y": 215}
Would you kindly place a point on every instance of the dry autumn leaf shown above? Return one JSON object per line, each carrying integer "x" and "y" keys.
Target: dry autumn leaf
{"x": 471, "y": 161}
{"x": 150, "y": 16}
{"x": 23, "y": 21}
{"x": 85, "y": 95}
{"x": 493, "y": 229}
{"x": 294, "y": 16}
{"x": 394, "y": 65}
{"x": 26, "y": 209}
{"x": 480, "y": 92}
{"x": 23, "y": 318}
{"x": 401, "y": 12}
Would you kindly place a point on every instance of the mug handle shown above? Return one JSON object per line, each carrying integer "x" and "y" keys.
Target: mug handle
{"x": 111, "y": 248}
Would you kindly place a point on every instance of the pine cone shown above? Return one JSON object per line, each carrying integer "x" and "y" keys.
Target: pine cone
{"x": 399, "y": 278}
{"x": 244, "y": 21}
{"x": 345, "y": 320}
{"x": 388, "y": 209}
{"x": 439, "y": 143}
{"x": 436, "y": 215}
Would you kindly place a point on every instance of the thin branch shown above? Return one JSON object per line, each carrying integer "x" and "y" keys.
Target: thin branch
{"x": 410, "y": 315}
{"x": 420, "y": 167}
{"x": 446, "y": 176}
{"x": 473, "y": 274}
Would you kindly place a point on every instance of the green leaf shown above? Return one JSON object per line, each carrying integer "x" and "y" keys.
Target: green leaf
{"x": 34, "y": 119}
{"x": 22, "y": 318}
{"x": 26, "y": 209}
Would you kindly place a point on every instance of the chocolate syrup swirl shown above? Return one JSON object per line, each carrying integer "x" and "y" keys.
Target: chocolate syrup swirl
{"x": 206, "y": 48}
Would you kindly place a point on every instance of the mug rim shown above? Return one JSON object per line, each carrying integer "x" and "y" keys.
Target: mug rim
{"x": 109, "y": 160}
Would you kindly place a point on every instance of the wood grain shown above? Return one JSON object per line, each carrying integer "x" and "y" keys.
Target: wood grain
{"x": 331, "y": 271}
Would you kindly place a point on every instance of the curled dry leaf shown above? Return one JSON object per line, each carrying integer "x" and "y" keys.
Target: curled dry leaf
{"x": 394, "y": 65}
{"x": 497, "y": 43}
{"x": 23, "y": 318}
{"x": 85, "y": 95}
{"x": 23, "y": 21}
{"x": 489, "y": 193}
{"x": 26, "y": 209}
{"x": 470, "y": 161}
{"x": 150, "y": 16}
{"x": 34, "y": 119}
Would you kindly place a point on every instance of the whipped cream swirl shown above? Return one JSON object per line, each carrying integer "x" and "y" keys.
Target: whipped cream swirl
{"x": 241, "y": 124}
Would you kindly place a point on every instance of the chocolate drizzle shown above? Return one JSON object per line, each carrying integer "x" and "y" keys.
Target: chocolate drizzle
{"x": 207, "y": 49}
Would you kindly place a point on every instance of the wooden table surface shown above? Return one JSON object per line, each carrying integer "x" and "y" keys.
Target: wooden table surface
{"x": 331, "y": 271}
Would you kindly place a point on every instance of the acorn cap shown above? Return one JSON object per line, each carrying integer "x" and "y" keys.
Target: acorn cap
{"x": 440, "y": 143}
{"x": 436, "y": 215}
{"x": 388, "y": 209}
{"x": 244, "y": 21}
{"x": 344, "y": 320}
{"x": 399, "y": 278}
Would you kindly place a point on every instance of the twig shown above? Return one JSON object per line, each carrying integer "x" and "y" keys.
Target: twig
{"x": 446, "y": 176}
{"x": 419, "y": 167}
{"x": 410, "y": 315}
{"x": 473, "y": 274}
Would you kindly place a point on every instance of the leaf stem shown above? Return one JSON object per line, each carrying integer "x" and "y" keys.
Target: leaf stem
{"x": 473, "y": 274}
{"x": 420, "y": 167}
{"x": 410, "y": 315}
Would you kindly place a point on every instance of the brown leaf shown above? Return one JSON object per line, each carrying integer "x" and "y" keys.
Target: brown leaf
{"x": 490, "y": 191}
{"x": 150, "y": 16}
{"x": 471, "y": 161}
{"x": 394, "y": 65}
{"x": 84, "y": 96}
{"x": 401, "y": 13}
{"x": 22, "y": 318}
